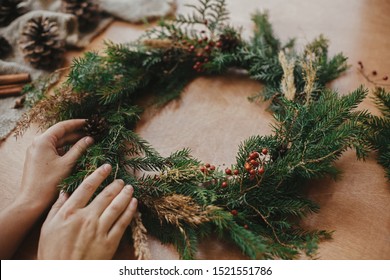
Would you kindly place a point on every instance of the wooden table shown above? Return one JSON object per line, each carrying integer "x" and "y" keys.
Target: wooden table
{"x": 213, "y": 117}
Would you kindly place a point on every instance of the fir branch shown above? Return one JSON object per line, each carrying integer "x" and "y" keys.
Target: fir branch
{"x": 250, "y": 244}
{"x": 86, "y": 72}
{"x": 379, "y": 127}
{"x": 264, "y": 37}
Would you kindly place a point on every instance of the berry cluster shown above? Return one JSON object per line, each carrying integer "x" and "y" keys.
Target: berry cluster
{"x": 229, "y": 172}
{"x": 201, "y": 50}
{"x": 255, "y": 163}
{"x": 207, "y": 168}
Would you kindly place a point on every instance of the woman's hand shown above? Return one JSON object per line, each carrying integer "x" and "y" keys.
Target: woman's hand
{"x": 45, "y": 166}
{"x": 73, "y": 230}
{"x": 46, "y": 163}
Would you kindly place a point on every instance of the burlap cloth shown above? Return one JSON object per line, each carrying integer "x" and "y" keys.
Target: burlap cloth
{"x": 127, "y": 10}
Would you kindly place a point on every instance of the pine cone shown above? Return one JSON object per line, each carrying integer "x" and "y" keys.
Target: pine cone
{"x": 96, "y": 126}
{"x": 228, "y": 41}
{"x": 41, "y": 44}
{"x": 5, "y": 47}
{"x": 11, "y": 9}
{"x": 86, "y": 11}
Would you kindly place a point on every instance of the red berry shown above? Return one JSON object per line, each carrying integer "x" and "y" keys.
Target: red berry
{"x": 385, "y": 78}
{"x": 261, "y": 170}
{"x": 228, "y": 171}
{"x": 207, "y": 48}
{"x": 211, "y": 43}
{"x": 252, "y": 177}
{"x": 254, "y": 162}
{"x": 246, "y": 226}
{"x": 252, "y": 172}
{"x": 219, "y": 44}
{"x": 212, "y": 167}
{"x": 235, "y": 172}
{"x": 205, "y": 60}
{"x": 203, "y": 169}
{"x": 200, "y": 41}
{"x": 234, "y": 212}
{"x": 205, "y": 39}
{"x": 197, "y": 67}
{"x": 253, "y": 155}
{"x": 207, "y": 165}
{"x": 224, "y": 185}
{"x": 192, "y": 48}
{"x": 248, "y": 166}
{"x": 264, "y": 151}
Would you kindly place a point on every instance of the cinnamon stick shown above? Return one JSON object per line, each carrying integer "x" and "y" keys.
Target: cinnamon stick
{"x": 11, "y": 86}
{"x": 16, "y": 90}
{"x": 14, "y": 78}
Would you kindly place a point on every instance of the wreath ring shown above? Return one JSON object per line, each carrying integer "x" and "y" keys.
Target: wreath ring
{"x": 256, "y": 202}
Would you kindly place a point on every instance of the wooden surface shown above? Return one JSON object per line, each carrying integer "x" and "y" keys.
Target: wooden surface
{"x": 213, "y": 117}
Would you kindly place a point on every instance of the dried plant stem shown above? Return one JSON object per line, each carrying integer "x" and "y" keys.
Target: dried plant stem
{"x": 140, "y": 238}
{"x": 176, "y": 209}
{"x": 287, "y": 83}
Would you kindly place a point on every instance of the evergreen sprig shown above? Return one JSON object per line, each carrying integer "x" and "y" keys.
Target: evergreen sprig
{"x": 379, "y": 127}
{"x": 257, "y": 203}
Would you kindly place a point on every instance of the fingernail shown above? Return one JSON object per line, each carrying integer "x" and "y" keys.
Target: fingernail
{"x": 129, "y": 188}
{"x": 107, "y": 167}
{"x": 88, "y": 140}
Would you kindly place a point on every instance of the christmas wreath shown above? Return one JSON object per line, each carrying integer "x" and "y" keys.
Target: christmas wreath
{"x": 257, "y": 203}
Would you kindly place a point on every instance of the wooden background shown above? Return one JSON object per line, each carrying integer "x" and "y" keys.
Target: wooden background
{"x": 213, "y": 117}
